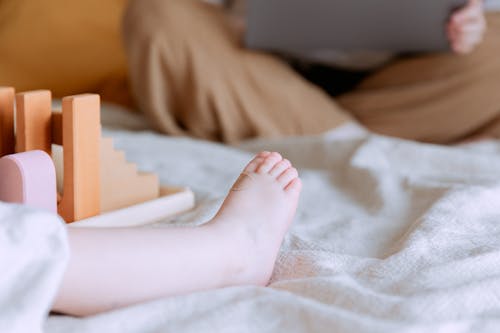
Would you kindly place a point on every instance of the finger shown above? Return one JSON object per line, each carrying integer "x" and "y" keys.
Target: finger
{"x": 479, "y": 21}
{"x": 468, "y": 39}
{"x": 473, "y": 11}
{"x": 465, "y": 44}
{"x": 469, "y": 33}
{"x": 465, "y": 35}
{"x": 452, "y": 33}
{"x": 471, "y": 29}
{"x": 469, "y": 12}
{"x": 454, "y": 27}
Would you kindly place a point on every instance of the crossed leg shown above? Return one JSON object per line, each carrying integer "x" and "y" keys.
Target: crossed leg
{"x": 191, "y": 76}
{"x": 440, "y": 98}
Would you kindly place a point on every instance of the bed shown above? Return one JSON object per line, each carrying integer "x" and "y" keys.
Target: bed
{"x": 390, "y": 236}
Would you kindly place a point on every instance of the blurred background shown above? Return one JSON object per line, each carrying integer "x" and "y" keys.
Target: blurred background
{"x": 66, "y": 46}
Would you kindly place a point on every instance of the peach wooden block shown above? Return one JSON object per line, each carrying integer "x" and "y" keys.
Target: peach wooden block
{"x": 170, "y": 202}
{"x": 33, "y": 121}
{"x": 81, "y": 147}
{"x": 7, "y": 143}
{"x": 121, "y": 184}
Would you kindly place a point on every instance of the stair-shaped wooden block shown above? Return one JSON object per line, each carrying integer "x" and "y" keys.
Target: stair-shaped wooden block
{"x": 121, "y": 184}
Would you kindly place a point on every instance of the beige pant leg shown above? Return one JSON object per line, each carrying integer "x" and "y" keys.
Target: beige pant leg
{"x": 190, "y": 75}
{"x": 435, "y": 98}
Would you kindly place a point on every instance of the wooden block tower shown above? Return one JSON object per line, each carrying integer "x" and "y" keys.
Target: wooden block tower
{"x": 96, "y": 178}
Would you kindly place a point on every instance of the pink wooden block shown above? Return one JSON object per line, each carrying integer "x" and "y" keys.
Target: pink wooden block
{"x": 29, "y": 178}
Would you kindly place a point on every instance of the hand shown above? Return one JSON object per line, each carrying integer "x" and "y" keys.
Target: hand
{"x": 466, "y": 27}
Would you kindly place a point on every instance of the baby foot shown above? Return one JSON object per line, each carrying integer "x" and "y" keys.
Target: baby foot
{"x": 258, "y": 211}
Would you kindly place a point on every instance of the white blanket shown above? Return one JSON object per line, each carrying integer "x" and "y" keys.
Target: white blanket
{"x": 33, "y": 254}
{"x": 390, "y": 236}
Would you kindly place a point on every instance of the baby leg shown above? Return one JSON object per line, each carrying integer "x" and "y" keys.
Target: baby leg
{"x": 112, "y": 268}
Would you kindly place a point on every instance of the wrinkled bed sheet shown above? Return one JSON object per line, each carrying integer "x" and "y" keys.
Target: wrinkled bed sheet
{"x": 390, "y": 236}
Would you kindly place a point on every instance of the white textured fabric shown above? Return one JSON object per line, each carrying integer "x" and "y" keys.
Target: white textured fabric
{"x": 33, "y": 254}
{"x": 390, "y": 236}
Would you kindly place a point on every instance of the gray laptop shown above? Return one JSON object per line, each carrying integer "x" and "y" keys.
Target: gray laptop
{"x": 389, "y": 25}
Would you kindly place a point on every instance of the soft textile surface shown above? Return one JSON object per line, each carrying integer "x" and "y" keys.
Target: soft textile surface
{"x": 390, "y": 236}
{"x": 33, "y": 253}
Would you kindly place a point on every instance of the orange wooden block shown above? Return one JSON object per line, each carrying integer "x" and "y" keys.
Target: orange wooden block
{"x": 81, "y": 148}
{"x": 33, "y": 121}
{"x": 7, "y": 140}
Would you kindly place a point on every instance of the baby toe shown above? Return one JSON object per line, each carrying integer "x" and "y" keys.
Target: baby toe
{"x": 287, "y": 176}
{"x": 269, "y": 162}
{"x": 279, "y": 168}
{"x": 254, "y": 164}
{"x": 264, "y": 154}
{"x": 294, "y": 187}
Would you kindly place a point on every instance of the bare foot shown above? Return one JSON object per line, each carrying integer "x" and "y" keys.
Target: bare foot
{"x": 257, "y": 213}
{"x": 237, "y": 247}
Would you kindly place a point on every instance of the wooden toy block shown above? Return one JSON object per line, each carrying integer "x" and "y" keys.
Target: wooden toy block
{"x": 81, "y": 132}
{"x": 33, "y": 121}
{"x": 121, "y": 184}
{"x": 97, "y": 184}
{"x": 7, "y": 139}
{"x": 29, "y": 178}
